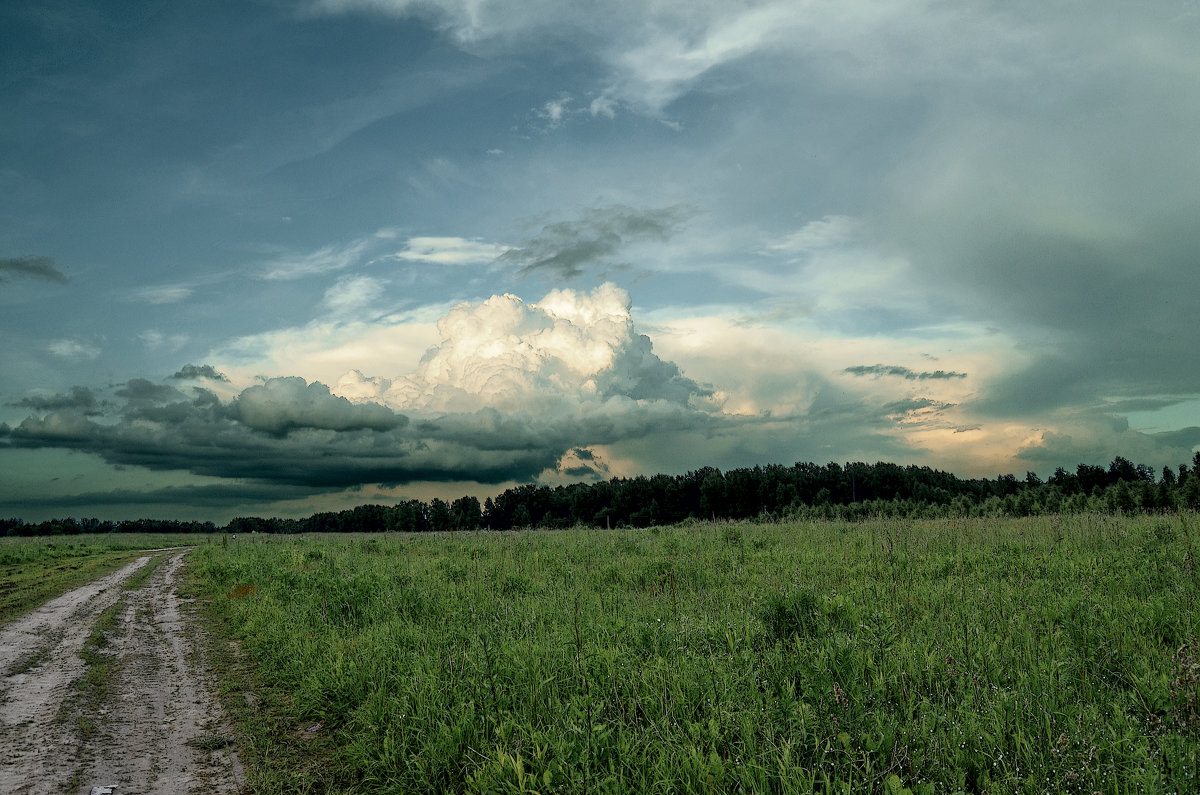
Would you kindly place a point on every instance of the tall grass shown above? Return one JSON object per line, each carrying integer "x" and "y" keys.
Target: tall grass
{"x": 1023, "y": 655}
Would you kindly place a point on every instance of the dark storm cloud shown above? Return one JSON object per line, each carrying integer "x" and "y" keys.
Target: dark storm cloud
{"x": 901, "y": 372}
{"x": 566, "y": 248}
{"x": 289, "y": 432}
{"x": 198, "y": 371}
{"x": 80, "y": 399}
{"x": 142, "y": 390}
{"x": 1094, "y": 318}
{"x": 1091, "y": 271}
{"x": 214, "y": 443}
{"x": 37, "y": 268}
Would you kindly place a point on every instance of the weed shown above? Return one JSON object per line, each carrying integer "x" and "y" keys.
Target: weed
{"x": 1038, "y": 654}
{"x": 788, "y": 615}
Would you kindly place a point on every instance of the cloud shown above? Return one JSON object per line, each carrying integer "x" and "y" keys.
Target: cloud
{"x": 40, "y": 269}
{"x": 449, "y": 251}
{"x": 999, "y": 207}
{"x": 913, "y": 405}
{"x": 161, "y": 294}
{"x": 156, "y": 340}
{"x": 203, "y": 371}
{"x": 554, "y": 112}
{"x": 901, "y": 372}
{"x": 292, "y": 433}
{"x": 653, "y": 51}
{"x": 832, "y": 230}
{"x": 1097, "y": 437}
{"x": 139, "y": 390}
{"x": 920, "y": 412}
{"x": 327, "y": 259}
{"x": 351, "y": 295}
{"x": 565, "y": 248}
{"x": 603, "y": 105}
{"x": 282, "y": 405}
{"x": 504, "y": 353}
{"x": 677, "y": 44}
{"x": 79, "y": 399}
{"x": 75, "y": 350}
{"x": 576, "y": 465}
{"x": 514, "y": 391}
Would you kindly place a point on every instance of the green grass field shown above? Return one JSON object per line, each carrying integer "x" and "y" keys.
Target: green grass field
{"x": 1022, "y": 655}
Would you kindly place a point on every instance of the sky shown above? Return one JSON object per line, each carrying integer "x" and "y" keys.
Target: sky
{"x": 274, "y": 257}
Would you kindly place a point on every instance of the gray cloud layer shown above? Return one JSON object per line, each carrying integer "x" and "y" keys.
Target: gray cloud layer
{"x": 80, "y": 399}
{"x": 564, "y": 249}
{"x": 290, "y": 432}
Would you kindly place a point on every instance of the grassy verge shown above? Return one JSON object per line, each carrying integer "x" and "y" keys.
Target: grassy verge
{"x": 28, "y": 585}
{"x": 288, "y": 757}
{"x": 1046, "y": 654}
{"x": 35, "y": 570}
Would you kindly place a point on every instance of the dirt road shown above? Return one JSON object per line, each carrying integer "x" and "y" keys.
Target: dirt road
{"x": 132, "y": 714}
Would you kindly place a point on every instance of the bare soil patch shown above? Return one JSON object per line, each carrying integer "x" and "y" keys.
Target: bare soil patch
{"x": 120, "y": 710}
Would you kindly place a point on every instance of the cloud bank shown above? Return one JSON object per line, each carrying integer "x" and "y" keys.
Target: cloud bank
{"x": 512, "y": 391}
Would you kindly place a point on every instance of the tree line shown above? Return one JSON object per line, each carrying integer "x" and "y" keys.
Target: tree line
{"x": 774, "y": 492}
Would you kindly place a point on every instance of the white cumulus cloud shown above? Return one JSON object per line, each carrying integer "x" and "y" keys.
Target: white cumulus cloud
{"x": 506, "y": 354}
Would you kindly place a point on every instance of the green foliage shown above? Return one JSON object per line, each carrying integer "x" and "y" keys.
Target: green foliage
{"x": 802, "y": 492}
{"x": 790, "y": 615}
{"x": 1008, "y": 655}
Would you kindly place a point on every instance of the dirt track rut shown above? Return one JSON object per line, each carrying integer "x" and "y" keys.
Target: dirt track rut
{"x": 152, "y": 726}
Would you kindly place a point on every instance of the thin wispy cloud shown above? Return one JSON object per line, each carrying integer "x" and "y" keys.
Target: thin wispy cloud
{"x": 832, "y": 230}
{"x": 353, "y": 295}
{"x": 327, "y": 259}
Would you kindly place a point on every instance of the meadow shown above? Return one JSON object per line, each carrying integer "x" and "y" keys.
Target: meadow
{"x": 1046, "y": 654}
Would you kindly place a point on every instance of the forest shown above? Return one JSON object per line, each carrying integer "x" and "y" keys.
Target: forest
{"x": 850, "y": 491}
